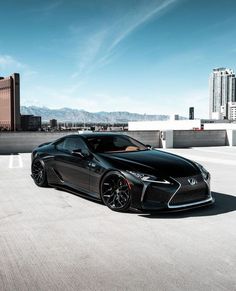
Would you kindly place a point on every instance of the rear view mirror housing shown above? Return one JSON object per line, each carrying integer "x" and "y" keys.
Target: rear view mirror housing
{"x": 78, "y": 153}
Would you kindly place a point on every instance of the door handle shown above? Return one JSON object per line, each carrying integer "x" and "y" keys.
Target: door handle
{"x": 92, "y": 165}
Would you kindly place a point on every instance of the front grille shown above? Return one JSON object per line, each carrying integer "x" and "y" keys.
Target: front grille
{"x": 157, "y": 192}
{"x": 190, "y": 193}
{"x": 184, "y": 180}
{"x": 156, "y": 195}
{"x": 189, "y": 197}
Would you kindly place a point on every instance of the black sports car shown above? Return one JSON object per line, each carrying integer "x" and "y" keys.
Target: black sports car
{"x": 122, "y": 172}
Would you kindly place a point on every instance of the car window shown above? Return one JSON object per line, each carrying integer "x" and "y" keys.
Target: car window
{"x": 60, "y": 145}
{"x": 72, "y": 143}
{"x": 120, "y": 142}
{"x": 114, "y": 144}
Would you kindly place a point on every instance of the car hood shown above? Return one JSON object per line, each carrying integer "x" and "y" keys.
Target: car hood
{"x": 153, "y": 161}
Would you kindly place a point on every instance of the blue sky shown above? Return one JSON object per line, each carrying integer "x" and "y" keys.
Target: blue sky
{"x": 128, "y": 55}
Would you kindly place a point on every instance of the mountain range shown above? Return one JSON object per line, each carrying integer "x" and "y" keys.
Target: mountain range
{"x": 76, "y": 115}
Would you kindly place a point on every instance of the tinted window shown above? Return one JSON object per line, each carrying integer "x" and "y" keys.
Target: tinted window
{"x": 114, "y": 144}
{"x": 71, "y": 143}
{"x": 60, "y": 145}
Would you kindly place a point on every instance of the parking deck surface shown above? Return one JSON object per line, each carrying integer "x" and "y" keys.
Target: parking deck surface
{"x": 54, "y": 240}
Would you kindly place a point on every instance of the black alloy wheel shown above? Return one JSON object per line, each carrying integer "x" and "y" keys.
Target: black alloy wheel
{"x": 38, "y": 173}
{"x": 115, "y": 191}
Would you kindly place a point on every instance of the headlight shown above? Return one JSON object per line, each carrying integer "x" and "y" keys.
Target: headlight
{"x": 204, "y": 172}
{"x": 148, "y": 178}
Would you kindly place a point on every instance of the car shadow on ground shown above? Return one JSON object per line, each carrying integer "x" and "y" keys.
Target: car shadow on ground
{"x": 224, "y": 203}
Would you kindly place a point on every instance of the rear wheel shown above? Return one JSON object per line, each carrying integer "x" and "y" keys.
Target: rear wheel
{"x": 115, "y": 191}
{"x": 39, "y": 173}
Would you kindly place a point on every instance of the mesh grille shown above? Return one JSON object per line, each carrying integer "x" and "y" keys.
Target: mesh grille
{"x": 190, "y": 193}
{"x": 157, "y": 193}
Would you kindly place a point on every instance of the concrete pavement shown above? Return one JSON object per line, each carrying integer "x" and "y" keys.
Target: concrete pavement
{"x": 53, "y": 240}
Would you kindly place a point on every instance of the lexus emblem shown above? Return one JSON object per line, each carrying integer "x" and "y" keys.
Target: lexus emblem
{"x": 192, "y": 181}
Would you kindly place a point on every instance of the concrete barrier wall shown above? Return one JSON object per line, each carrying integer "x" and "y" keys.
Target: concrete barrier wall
{"x": 194, "y": 138}
{"x": 231, "y": 137}
{"x": 146, "y": 137}
{"x": 24, "y": 142}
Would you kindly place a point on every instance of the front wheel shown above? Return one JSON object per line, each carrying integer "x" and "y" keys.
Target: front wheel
{"x": 39, "y": 173}
{"x": 115, "y": 191}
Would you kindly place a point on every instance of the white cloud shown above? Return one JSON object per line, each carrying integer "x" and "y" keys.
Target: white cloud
{"x": 31, "y": 102}
{"x": 7, "y": 61}
{"x": 9, "y": 65}
{"x": 95, "y": 102}
{"x": 100, "y": 47}
{"x": 43, "y": 9}
{"x": 138, "y": 17}
{"x": 106, "y": 101}
{"x": 90, "y": 50}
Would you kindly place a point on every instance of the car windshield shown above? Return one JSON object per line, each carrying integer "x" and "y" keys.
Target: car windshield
{"x": 104, "y": 144}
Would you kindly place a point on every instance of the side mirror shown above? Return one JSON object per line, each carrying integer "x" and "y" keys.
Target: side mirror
{"x": 148, "y": 146}
{"x": 77, "y": 153}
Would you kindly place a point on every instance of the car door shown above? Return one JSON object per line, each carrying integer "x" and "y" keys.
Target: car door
{"x": 73, "y": 169}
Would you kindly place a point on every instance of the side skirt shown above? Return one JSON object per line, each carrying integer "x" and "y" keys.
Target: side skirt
{"x": 87, "y": 195}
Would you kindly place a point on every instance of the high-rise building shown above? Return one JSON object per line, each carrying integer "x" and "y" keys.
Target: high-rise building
{"x": 191, "y": 113}
{"x": 222, "y": 90}
{"x": 10, "y": 103}
{"x": 53, "y": 123}
{"x": 30, "y": 123}
{"x": 232, "y": 110}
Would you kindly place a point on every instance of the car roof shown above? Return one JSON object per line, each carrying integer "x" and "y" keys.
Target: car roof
{"x": 98, "y": 134}
{"x": 88, "y": 135}
{"x": 94, "y": 134}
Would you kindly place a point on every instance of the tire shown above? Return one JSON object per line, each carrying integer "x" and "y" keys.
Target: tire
{"x": 115, "y": 191}
{"x": 39, "y": 174}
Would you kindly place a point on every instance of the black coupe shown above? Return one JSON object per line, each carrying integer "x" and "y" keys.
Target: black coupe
{"x": 121, "y": 172}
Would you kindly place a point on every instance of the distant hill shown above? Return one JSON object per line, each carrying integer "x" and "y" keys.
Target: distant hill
{"x": 75, "y": 115}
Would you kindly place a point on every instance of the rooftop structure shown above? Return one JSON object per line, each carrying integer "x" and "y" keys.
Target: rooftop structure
{"x": 10, "y": 103}
{"x": 30, "y": 122}
{"x": 222, "y": 90}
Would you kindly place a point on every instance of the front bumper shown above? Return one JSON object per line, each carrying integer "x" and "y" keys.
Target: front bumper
{"x": 176, "y": 196}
